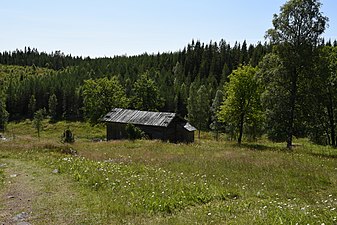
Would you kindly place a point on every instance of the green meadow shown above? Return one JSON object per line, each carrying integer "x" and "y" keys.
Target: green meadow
{"x": 154, "y": 182}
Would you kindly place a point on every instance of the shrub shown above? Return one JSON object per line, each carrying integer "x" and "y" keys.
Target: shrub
{"x": 133, "y": 132}
{"x": 68, "y": 136}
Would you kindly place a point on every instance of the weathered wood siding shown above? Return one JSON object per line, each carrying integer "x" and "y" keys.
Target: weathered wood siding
{"x": 115, "y": 131}
{"x": 156, "y": 125}
{"x": 175, "y": 132}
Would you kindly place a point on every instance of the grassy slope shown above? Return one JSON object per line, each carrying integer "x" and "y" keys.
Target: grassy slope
{"x": 206, "y": 182}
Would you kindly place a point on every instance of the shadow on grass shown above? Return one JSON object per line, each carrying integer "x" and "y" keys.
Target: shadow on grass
{"x": 325, "y": 155}
{"x": 260, "y": 147}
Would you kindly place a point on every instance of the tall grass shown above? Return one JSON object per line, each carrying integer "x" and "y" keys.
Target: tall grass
{"x": 1, "y": 177}
{"x": 208, "y": 182}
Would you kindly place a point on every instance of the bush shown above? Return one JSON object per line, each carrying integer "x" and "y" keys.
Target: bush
{"x": 68, "y": 136}
{"x": 133, "y": 132}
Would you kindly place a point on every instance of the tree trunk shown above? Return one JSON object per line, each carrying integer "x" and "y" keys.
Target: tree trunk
{"x": 331, "y": 122}
{"x": 242, "y": 116}
{"x": 199, "y": 133}
{"x": 328, "y": 136}
{"x": 293, "y": 96}
{"x": 217, "y": 135}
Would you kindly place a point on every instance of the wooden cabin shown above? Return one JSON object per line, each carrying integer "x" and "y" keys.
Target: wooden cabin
{"x": 165, "y": 126}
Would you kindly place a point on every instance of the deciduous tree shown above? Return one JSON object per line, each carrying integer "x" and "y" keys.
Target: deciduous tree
{"x": 145, "y": 94}
{"x": 241, "y": 105}
{"x": 198, "y": 107}
{"x": 102, "y": 95}
{"x": 322, "y": 98}
{"x": 295, "y": 34}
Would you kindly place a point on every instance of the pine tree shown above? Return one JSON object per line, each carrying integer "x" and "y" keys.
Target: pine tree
{"x": 52, "y": 103}
{"x": 3, "y": 112}
{"x": 215, "y": 108}
{"x": 31, "y": 106}
{"x": 38, "y": 119}
{"x": 181, "y": 101}
{"x": 198, "y": 107}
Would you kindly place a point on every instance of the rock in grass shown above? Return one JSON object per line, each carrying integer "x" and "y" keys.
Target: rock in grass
{"x": 23, "y": 223}
{"x": 55, "y": 171}
{"x": 21, "y": 216}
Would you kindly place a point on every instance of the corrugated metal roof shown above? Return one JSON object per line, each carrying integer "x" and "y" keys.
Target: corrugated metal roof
{"x": 189, "y": 127}
{"x": 118, "y": 115}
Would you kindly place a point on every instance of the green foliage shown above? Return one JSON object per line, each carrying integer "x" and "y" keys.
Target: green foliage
{"x": 146, "y": 182}
{"x": 198, "y": 107}
{"x": 133, "y": 132}
{"x": 52, "y": 107}
{"x": 241, "y": 107}
{"x": 299, "y": 23}
{"x": 181, "y": 98}
{"x": 275, "y": 97}
{"x": 102, "y": 95}
{"x": 216, "y": 125}
{"x": 296, "y": 102}
{"x": 296, "y": 34}
{"x": 32, "y": 106}
{"x": 169, "y": 71}
{"x": 145, "y": 94}
{"x": 68, "y": 136}
{"x": 22, "y": 86}
{"x": 38, "y": 119}
{"x": 3, "y": 112}
{"x": 321, "y": 110}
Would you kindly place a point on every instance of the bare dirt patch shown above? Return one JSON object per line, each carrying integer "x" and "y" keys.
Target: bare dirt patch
{"x": 35, "y": 195}
{"x": 20, "y": 188}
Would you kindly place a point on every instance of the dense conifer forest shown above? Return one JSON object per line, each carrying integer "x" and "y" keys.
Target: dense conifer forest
{"x": 283, "y": 88}
{"x": 29, "y": 76}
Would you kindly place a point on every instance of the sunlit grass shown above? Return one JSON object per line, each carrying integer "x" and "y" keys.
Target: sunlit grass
{"x": 1, "y": 177}
{"x": 153, "y": 182}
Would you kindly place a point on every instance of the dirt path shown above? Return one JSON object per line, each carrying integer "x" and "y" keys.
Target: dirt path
{"x": 35, "y": 195}
{"x": 16, "y": 199}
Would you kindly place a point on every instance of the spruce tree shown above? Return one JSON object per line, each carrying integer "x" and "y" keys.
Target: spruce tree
{"x": 38, "y": 119}
{"x": 3, "y": 112}
{"x": 52, "y": 103}
{"x": 31, "y": 106}
{"x": 216, "y": 125}
{"x": 198, "y": 107}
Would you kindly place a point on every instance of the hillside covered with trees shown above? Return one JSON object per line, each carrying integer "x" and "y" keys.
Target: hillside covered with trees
{"x": 283, "y": 88}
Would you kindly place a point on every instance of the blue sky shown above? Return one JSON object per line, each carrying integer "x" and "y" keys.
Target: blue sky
{"x": 106, "y": 28}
